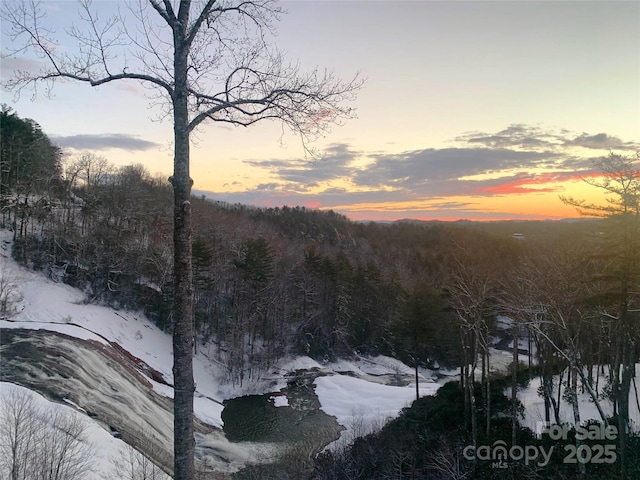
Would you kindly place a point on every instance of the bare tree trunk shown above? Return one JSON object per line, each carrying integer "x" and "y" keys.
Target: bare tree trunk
{"x": 488, "y": 395}
{"x": 415, "y": 363}
{"x": 514, "y": 385}
{"x": 557, "y": 402}
{"x": 546, "y": 377}
{"x": 471, "y": 383}
{"x": 624, "y": 389}
{"x": 464, "y": 373}
{"x": 184, "y": 386}
{"x": 572, "y": 384}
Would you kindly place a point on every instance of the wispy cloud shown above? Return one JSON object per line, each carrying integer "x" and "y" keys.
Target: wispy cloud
{"x": 334, "y": 163}
{"x": 104, "y": 142}
{"x": 601, "y": 141}
{"x": 516, "y": 135}
{"x": 12, "y": 65}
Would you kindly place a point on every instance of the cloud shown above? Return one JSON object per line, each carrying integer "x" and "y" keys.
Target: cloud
{"x": 515, "y": 135}
{"x": 534, "y": 137}
{"x": 422, "y": 168}
{"x": 530, "y": 183}
{"x": 432, "y": 182}
{"x": 601, "y": 141}
{"x": 104, "y": 142}
{"x": 12, "y": 65}
{"x": 334, "y": 163}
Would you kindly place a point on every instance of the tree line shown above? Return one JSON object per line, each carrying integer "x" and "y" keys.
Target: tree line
{"x": 269, "y": 282}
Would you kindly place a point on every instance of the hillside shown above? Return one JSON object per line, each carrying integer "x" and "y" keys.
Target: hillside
{"x": 319, "y": 317}
{"x": 114, "y": 366}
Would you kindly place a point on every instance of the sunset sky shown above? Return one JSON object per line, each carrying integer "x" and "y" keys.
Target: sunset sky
{"x": 475, "y": 110}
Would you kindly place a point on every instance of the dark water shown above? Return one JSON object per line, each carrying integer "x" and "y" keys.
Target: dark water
{"x": 302, "y": 429}
{"x": 255, "y": 418}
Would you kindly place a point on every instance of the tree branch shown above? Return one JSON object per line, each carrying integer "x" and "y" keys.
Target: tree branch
{"x": 166, "y": 13}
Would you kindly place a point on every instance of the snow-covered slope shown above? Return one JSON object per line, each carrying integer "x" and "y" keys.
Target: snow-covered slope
{"x": 107, "y": 450}
{"x": 117, "y": 367}
{"x": 105, "y": 362}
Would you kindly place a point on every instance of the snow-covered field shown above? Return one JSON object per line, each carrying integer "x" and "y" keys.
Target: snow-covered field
{"x": 363, "y": 407}
{"x": 39, "y": 303}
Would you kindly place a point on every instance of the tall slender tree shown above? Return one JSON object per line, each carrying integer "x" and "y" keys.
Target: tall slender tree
{"x": 618, "y": 298}
{"x": 207, "y": 60}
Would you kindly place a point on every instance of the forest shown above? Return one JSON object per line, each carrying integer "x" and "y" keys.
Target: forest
{"x": 275, "y": 282}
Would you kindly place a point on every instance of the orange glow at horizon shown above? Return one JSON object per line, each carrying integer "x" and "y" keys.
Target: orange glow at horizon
{"x": 510, "y": 204}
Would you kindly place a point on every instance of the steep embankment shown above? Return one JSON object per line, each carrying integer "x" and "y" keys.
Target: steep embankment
{"x": 105, "y": 384}
{"x": 113, "y": 366}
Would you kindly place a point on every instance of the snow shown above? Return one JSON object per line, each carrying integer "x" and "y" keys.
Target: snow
{"x": 356, "y": 391}
{"x": 374, "y": 366}
{"x": 534, "y": 405}
{"x": 106, "y": 448}
{"x": 43, "y": 304}
{"x": 362, "y": 407}
{"x": 208, "y": 410}
{"x": 66, "y": 329}
{"x": 300, "y": 363}
{"x": 280, "y": 400}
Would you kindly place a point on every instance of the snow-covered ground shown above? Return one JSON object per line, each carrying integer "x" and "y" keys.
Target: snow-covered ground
{"x": 534, "y": 403}
{"x": 359, "y": 392}
{"x": 39, "y": 303}
{"x": 363, "y": 407}
{"x": 107, "y": 450}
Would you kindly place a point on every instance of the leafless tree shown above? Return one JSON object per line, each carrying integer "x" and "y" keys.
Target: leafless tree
{"x": 9, "y": 290}
{"x": 446, "y": 462}
{"x": 41, "y": 443}
{"x": 203, "y": 60}
{"x": 618, "y": 256}
{"x": 473, "y": 290}
{"x": 64, "y": 451}
{"x": 18, "y": 433}
{"x": 134, "y": 465}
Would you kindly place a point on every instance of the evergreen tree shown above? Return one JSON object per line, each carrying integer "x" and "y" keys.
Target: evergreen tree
{"x": 617, "y": 300}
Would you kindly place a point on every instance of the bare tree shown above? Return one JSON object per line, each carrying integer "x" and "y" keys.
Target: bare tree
{"x": 446, "y": 462}
{"x": 41, "y": 443}
{"x": 9, "y": 290}
{"x": 18, "y": 431}
{"x": 618, "y": 261}
{"x": 64, "y": 451}
{"x": 204, "y": 60}
{"x": 473, "y": 289}
{"x": 133, "y": 465}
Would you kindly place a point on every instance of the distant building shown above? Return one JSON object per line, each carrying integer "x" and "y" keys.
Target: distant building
{"x": 518, "y": 236}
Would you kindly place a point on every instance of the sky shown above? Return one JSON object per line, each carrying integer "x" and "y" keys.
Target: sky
{"x": 470, "y": 110}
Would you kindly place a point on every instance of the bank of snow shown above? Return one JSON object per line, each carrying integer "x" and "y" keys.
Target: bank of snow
{"x": 42, "y": 304}
{"x": 363, "y": 407}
